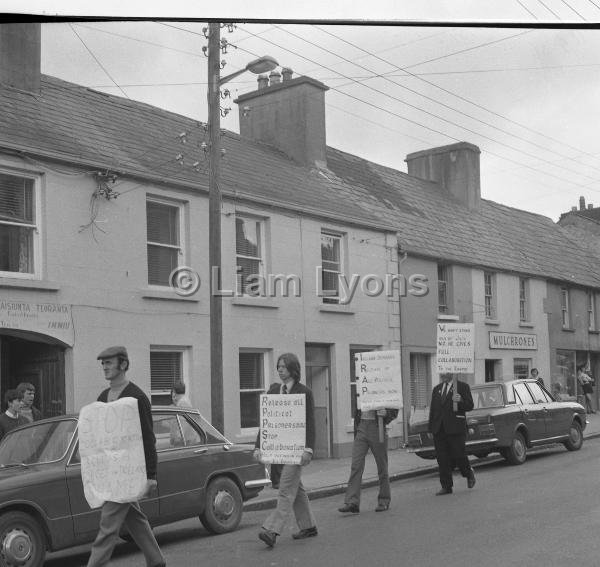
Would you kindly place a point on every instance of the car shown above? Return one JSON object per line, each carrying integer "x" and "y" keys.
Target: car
{"x": 509, "y": 418}
{"x": 42, "y": 504}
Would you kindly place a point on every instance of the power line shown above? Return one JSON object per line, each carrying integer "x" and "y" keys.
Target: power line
{"x": 549, "y": 10}
{"x": 572, "y": 9}
{"x": 526, "y": 9}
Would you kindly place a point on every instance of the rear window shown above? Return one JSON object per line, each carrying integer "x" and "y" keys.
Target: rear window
{"x": 490, "y": 397}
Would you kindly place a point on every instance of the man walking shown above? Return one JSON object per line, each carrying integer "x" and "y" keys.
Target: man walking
{"x": 115, "y": 363}
{"x": 449, "y": 429}
{"x": 28, "y": 411}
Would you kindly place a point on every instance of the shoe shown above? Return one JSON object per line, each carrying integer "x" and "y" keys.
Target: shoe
{"x": 306, "y": 532}
{"x": 443, "y": 491}
{"x": 382, "y": 507}
{"x": 268, "y": 537}
{"x": 471, "y": 479}
{"x": 349, "y": 508}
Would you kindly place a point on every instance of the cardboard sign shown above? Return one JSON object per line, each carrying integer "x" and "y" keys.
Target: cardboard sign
{"x": 378, "y": 379}
{"x": 282, "y": 428}
{"x": 455, "y": 348}
{"x": 113, "y": 466}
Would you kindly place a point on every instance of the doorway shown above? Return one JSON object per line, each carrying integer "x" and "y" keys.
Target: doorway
{"x": 318, "y": 379}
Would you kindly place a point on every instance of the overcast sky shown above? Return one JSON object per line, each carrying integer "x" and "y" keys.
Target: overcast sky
{"x": 527, "y": 97}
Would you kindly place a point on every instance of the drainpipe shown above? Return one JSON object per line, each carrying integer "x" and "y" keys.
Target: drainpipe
{"x": 405, "y": 390}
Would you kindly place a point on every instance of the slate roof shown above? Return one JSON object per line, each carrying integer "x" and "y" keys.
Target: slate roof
{"x": 78, "y": 125}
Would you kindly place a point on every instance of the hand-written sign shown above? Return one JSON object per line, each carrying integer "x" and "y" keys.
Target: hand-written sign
{"x": 455, "y": 348}
{"x": 282, "y": 428}
{"x": 378, "y": 379}
{"x": 113, "y": 467}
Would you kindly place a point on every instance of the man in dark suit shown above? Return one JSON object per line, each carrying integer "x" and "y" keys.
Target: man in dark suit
{"x": 449, "y": 429}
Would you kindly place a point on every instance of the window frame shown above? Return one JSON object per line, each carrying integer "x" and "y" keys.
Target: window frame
{"x": 523, "y": 362}
{"x": 444, "y": 288}
{"x": 261, "y": 241}
{"x": 489, "y": 295}
{"x": 591, "y": 309}
{"x": 341, "y": 239}
{"x": 265, "y": 360}
{"x": 183, "y": 351}
{"x": 420, "y": 361}
{"x": 181, "y": 232}
{"x": 565, "y": 307}
{"x": 36, "y": 227}
{"x": 523, "y": 300}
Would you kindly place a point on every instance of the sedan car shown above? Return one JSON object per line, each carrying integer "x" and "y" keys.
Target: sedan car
{"x": 510, "y": 417}
{"x": 42, "y": 503}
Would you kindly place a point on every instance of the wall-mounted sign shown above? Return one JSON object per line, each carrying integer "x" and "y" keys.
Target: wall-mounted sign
{"x": 513, "y": 341}
{"x": 52, "y": 319}
{"x": 455, "y": 348}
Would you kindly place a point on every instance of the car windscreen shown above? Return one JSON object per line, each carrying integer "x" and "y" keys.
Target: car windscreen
{"x": 488, "y": 397}
{"x": 38, "y": 443}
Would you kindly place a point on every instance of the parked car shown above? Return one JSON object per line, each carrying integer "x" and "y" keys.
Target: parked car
{"x": 510, "y": 417}
{"x": 42, "y": 504}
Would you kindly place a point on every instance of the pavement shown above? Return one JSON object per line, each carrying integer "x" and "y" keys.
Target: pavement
{"x": 327, "y": 477}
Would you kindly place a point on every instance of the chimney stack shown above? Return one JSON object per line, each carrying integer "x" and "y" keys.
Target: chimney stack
{"x": 454, "y": 167}
{"x": 289, "y": 115}
{"x": 590, "y": 206}
{"x": 20, "y": 56}
{"x": 582, "y": 203}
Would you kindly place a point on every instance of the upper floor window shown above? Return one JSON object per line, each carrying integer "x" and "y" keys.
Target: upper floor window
{"x": 164, "y": 234}
{"x": 443, "y": 288}
{"x": 252, "y": 371}
{"x": 523, "y": 299}
{"x": 249, "y": 250}
{"x": 591, "y": 309}
{"x": 489, "y": 285}
{"x": 564, "y": 308}
{"x": 332, "y": 266}
{"x": 18, "y": 225}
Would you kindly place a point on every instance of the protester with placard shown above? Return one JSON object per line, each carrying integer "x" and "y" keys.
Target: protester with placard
{"x": 449, "y": 429}
{"x": 115, "y": 363}
{"x": 292, "y": 496}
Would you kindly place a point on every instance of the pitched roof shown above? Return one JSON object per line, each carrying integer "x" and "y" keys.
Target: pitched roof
{"x": 78, "y": 125}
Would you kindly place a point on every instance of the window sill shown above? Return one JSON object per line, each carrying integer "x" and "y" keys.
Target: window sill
{"x": 336, "y": 308}
{"x": 444, "y": 317}
{"x": 495, "y": 322}
{"x": 38, "y": 285}
{"x": 169, "y": 295}
{"x": 262, "y": 302}
{"x": 526, "y": 324}
{"x": 568, "y": 329}
{"x": 594, "y": 332}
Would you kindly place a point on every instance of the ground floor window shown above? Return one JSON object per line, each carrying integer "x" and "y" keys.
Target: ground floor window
{"x": 166, "y": 368}
{"x": 420, "y": 379}
{"x": 563, "y": 381}
{"x": 521, "y": 368}
{"x": 252, "y": 385}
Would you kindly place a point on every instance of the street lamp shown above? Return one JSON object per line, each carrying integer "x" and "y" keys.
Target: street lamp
{"x": 261, "y": 65}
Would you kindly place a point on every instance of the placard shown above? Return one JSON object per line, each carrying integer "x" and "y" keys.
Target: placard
{"x": 282, "y": 428}
{"x": 378, "y": 379}
{"x": 455, "y": 348}
{"x": 113, "y": 466}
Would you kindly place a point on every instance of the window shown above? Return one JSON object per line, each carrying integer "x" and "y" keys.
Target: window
{"x": 252, "y": 370}
{"x": 523, "y": 395}
{"x": 163, "y": 222}
{"x": 419, "y": 379}
{"x": 564, "y": 308}
{"x": 332, "y": 267}
{"x": 166, "y": 367}
{"x": 489, "y": 295}
{"x": 18, "y": 225}
{"x": 521, "y": 367}
{"x": 443, "y": 288}
{"x": 249, "y": 251}
{"x": 591, "y": 302}
{"x": 523, "y": 299}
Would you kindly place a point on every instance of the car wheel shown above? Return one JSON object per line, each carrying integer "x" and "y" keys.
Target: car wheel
{"x": 223, "y": 509}
{"x": 516, "y": 453}
{"x": 575, "y": 440}
{"x": 22, "y": 540}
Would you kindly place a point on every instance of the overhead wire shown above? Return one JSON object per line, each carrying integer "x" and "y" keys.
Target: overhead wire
{"x": 549, "y": 10}
{"x": 526, "y": 9}
{"x": 572, "y": 9}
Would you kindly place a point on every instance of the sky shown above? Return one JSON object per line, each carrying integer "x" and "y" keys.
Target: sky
{"x": 526, "y": 96}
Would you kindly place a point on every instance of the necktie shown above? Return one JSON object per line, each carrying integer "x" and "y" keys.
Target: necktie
{"x": 445, "y": 391}
{"x": 284, "y": 389}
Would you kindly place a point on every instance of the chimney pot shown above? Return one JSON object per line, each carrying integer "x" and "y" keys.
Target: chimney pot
{"x": 263, "y": 82}
{"x": 581, "y": 203}
{"x": 274, "y": 78}
{"x": 287, "y": 73}
{"x": 573, "y": 209}
{"x": 590, "y": 206}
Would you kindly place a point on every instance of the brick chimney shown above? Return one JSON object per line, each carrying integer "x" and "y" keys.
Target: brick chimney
{"x": 454, "y": 167}
{"x": 20, "y": 55}
{"x": 289, "y": 115}
{"x": 582, "y": 203}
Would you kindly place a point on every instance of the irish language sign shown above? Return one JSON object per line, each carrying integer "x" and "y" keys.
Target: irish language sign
{"x": 455, "y": 348}
{"x": 282, "y": 428}
{"x": 53, "y": 319}
{"x": 113, "y": 466}
{"x": 378, "y": 379}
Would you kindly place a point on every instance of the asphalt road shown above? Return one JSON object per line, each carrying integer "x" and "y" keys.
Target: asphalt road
{"x": 545, "y": 512}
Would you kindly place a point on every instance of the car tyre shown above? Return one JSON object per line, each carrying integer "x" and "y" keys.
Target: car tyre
{"x": 223, "y": 508}
{"x": 575, "y": 440}
{"x": 22, "y": 541}
{"x": 516, "y": 453}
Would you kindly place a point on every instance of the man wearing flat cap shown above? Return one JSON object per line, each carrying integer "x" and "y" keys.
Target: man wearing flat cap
{"x": 115, "y": 363}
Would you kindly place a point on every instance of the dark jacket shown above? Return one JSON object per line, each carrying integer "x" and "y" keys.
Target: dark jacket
{"x": 8, "y": 423}
{"x": 442, "y": 412}
{"x": 390, "y": 415}
{"x": 145, "y": 411}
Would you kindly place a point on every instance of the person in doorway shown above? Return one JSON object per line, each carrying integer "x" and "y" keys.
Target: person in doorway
{"x": 115, "y": 364}
{"x": 587, "y": 387}
{"x": 535, "y": 375}
{"x": 178, "y": 396}
{"x": 28, "y": 411}
{"x": 449, "y": 429}
{"x": 292, "y": 495}
{"x": 12, "y": 417}
{"x": 366, "y": 436}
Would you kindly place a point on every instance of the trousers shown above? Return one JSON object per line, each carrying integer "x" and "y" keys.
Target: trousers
{"x": 367, "y": 437}
{"x": 450, "y": 452}
{"x": 129, "y": 514}
{"x": 291, "y": 497}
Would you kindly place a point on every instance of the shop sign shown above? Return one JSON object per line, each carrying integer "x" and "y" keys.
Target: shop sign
{"x": 513, "y": 341}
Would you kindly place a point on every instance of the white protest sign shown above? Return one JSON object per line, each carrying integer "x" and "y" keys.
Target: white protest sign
{"x": 113, "y": 466}
{"x": 282, "y": 428}
{"x": 378, "y": 379}
{"x": 455, "y": 348}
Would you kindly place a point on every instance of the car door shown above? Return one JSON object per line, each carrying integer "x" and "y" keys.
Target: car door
{"x": 558, "y": 415}
{"x": 533, "y": 414}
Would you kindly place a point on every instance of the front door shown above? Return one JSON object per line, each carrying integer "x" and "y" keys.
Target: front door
{"x": 318, "y": 367}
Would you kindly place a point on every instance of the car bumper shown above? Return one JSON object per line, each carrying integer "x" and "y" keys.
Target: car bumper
{"x": 472, "y": 446}
{"x": 257, "y": 483}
